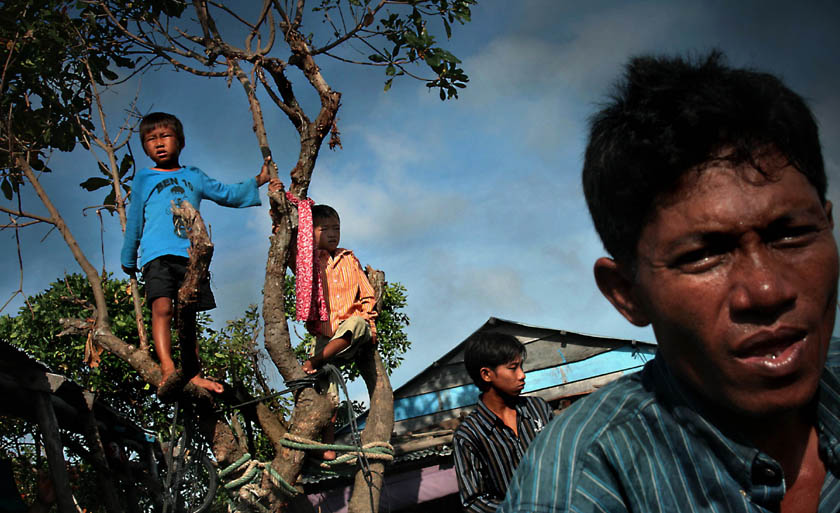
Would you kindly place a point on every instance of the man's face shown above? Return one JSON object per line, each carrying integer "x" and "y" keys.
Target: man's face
{"x": 327, "y": 233}
{"x": 738, "y": 276}
{"x": 508, "y": 378}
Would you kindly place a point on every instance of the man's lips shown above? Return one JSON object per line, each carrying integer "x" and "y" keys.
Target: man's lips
{"x": 775, "y": 353}
{"x": 767, "y": 342}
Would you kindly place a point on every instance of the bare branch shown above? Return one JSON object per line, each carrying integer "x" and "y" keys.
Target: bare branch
{"x": 363, "y": 22}
{"x": 18, "y": 213}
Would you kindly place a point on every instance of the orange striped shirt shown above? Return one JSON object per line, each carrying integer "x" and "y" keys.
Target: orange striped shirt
{"x": 346, "y": 290}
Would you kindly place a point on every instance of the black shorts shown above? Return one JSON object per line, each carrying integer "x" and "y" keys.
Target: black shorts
{"x": 164, "y": 275}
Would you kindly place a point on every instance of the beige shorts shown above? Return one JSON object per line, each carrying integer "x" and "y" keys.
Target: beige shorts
{"x": 359, "y": 330}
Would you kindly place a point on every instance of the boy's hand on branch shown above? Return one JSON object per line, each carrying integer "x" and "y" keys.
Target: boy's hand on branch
{"x": 264, "y": 175}
{"x": 275, "y": 184}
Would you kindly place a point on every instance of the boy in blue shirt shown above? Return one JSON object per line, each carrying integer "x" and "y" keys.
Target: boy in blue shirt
{"x": 163, "y": 244}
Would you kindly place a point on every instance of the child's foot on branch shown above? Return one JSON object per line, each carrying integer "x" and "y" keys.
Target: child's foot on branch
{"x": 326, "y": 455}
{"x": 308, "y": 367}
{"x": 207, "y": 384}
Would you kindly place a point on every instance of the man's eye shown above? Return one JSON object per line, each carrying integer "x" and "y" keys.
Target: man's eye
{"x": 792, "y": 236}
{"x": 699, "y": 260}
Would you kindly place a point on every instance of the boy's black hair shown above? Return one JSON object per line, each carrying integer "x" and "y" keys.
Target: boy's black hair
{"x": 669, "y": 115}
{"x": 156, "y": 119}
{"x": 323, "y": 212}
{"x": 490, "y": 349}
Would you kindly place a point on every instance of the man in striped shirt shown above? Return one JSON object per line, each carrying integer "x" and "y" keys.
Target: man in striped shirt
{"x": 492, "y": 439}
{"x": 708, "y": 188}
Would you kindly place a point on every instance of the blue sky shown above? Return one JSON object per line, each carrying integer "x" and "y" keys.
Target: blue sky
{"x": 474, "y": 205}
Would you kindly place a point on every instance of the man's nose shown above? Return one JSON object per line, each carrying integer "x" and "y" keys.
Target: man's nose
{"x": 761, "y": 284}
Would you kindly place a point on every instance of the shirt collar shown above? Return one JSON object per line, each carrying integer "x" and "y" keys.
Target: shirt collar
{"x": 744, "y": 462}
{"x": 491, "y": 418}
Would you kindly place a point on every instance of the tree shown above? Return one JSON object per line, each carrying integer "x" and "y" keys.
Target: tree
{"x": 398, "y": 34}
{"x": 230, "y": 353}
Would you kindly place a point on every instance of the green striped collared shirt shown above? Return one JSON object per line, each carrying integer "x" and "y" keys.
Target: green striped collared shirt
{"x": 628, "y": 448}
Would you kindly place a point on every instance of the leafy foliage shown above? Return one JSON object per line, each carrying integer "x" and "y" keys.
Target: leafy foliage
{"x": 36, "y": 330}
{"x": 50, "y": 49}
{"x": 95, "y": 183}
{"x": 392, "y": 342}
{"x": 229, "y": 354}
{"x": 409, "y": 39}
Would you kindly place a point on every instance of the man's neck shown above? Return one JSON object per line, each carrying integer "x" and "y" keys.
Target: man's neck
{"x": 502, "y": 405}
{"x": 785, "y": 437}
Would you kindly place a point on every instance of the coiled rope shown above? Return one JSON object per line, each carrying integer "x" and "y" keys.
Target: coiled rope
{"x": 357, "y": 453}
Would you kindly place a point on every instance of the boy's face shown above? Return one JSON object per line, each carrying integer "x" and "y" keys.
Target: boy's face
{"x": 327, "y": 233}
{"x": 162, "y": 146}
{"x": 508, "y": 379}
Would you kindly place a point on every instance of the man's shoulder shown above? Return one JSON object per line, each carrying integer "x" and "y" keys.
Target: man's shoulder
{"x": 470, "y": 425}
{"x": 608, "y": 409}
{"x": 833, "y": 359}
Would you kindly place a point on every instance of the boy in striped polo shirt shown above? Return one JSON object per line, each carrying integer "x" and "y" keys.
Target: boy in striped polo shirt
{"x": 349, "y": 295}
{"x": 491, "y": 441}
{"x": 350, "y": 298}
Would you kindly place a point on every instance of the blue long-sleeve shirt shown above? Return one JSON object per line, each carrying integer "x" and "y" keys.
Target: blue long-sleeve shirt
{"x": 150, "y": 226}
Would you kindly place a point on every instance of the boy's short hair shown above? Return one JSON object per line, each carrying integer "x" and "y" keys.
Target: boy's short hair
{"x": 490, "y": 349}
{"x": 323, "y": 212}
{"x": 157, "y": 119}
{"x": 670, "y": 115}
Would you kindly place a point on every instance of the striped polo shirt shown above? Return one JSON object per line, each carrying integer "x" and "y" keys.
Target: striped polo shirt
{"x": 638, "y": 445}
{"x": 487, "y": 451}
{"x": 346, "y": 290}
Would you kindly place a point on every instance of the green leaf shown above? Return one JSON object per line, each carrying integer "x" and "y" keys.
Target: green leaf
{"x": 110, "y": 199}
{"x": 377, "y": 58}
{"x": 7, "y": 189}
{"x": 388, "y": 84}
{"x": 126, "y": 164}
{"x": 94, "y": 183}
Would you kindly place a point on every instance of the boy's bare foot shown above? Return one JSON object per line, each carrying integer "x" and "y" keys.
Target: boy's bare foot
{"x": 309, "y": 368}
{"x": 207, "y": 384}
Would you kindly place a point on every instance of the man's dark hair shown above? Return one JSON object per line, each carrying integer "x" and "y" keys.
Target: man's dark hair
{"x": 157, "y": 119}
{"x": 669, "y": 115}
{"x": 323, "y": 212}
{"x": 490, "y": 349}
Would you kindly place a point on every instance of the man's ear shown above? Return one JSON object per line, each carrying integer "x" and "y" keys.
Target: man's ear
{"x": 827, "y": 207}
{"x": 484, "y": 372}
{"x": 617, "y": 286}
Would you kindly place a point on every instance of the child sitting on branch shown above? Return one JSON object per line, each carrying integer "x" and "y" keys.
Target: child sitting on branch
{"x": 337, "y": 301}
{"x": 162, "y": 241}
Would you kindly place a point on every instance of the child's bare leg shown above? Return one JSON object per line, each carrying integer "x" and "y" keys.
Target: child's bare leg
{"x": 332, "y": 348}
{"x": 162, "y": 335}
{"x": 189, "y": 355}
{"x": 328, "y": 437}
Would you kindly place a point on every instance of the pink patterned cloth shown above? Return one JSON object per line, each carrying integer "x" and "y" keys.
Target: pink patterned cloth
{"x": 309, "y": 303}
